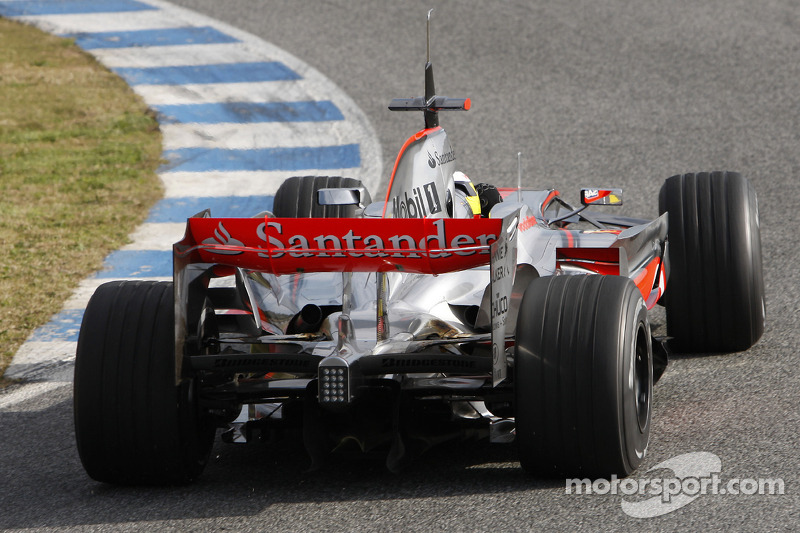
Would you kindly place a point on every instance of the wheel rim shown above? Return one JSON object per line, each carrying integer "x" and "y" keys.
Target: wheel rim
{"x": 642, "y": 383}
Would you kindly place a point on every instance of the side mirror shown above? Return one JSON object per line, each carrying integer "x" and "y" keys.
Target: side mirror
{"x": 374, "y": 210}
{"x": 601, "y": 196}
{"x": 352, "y": 196}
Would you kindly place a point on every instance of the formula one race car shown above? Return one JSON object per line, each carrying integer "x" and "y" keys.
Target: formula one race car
{"x": 445, "y": 310}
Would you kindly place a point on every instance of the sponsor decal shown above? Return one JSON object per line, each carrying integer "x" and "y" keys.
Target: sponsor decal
{"x": 527, "y": 223}
{"x": 223, "y": 237}
{"x": 395, "y": 362}
{"x": 601, "y": 196}
{"x": 423, "y": 201}
{"x": 432, "y": 196}
{"x": 261, "y": 361}
{"x": 447, "y": 157}
{"x": 353, "y": 245}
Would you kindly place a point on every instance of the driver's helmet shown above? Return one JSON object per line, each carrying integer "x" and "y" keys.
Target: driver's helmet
{"x": 466, "y": 203}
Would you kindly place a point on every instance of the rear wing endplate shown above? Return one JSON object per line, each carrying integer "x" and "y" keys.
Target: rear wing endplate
{"x": 503, "y": 268}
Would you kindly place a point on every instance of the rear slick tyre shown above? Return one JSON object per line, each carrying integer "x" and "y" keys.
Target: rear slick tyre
{"x": 715, "y": 291}
{"x": 583, "y": 377}
{"x": 133, "y": 424}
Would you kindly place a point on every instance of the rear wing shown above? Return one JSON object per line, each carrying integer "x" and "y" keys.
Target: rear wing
{"x": 290, "y": 245}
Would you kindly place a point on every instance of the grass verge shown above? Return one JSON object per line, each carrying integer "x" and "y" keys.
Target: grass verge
{"x": 78, "y": 154}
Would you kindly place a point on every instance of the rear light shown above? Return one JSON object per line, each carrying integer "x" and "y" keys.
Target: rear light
{"x": 334, "y": 384}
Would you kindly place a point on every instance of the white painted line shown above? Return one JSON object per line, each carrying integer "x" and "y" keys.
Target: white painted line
{"x": 197, "y": 54}
{"x": 254, "y": 136}
{"x": 156, "y": 236}
{"x": 38, "y": 360}
{"x": 101, "y": 22}
{"x": 266, "y": 91}
{"x": 242, "y": 183}
{"x": 37, "y": 352}
{"x": 27, "y": 392}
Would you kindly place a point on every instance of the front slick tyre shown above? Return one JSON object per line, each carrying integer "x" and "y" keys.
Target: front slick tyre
{"x": 133, "y": 424}
{"x": 583, "y": 377}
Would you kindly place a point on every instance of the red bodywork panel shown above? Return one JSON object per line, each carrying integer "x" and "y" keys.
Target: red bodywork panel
{"x": 289, "y": 245}
{"x": 600, "y": 260}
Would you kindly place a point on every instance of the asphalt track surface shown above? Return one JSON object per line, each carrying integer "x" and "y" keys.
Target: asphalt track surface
{"x": 593, "y": 93}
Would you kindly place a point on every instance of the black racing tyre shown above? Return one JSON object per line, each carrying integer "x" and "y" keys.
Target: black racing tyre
{"x": 715, "y": 292}
{"x": 583, "y": 377}
{"x": 297, "y": 197}
{"x": 133, "y": 424}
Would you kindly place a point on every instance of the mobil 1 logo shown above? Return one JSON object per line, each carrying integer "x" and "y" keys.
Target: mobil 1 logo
{"x": 422, "y": 201}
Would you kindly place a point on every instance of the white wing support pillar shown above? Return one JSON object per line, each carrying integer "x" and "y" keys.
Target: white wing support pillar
{"x": 503, "y": 268}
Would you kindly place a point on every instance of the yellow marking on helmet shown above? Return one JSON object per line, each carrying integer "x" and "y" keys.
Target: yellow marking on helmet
{"x": 475, "y": 203}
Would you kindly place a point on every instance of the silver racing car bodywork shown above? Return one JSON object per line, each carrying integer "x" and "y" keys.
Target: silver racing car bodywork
{"x": 340, "y": 336}
{"x": 444, "y": 310}
{"x": 346, "y": 320}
